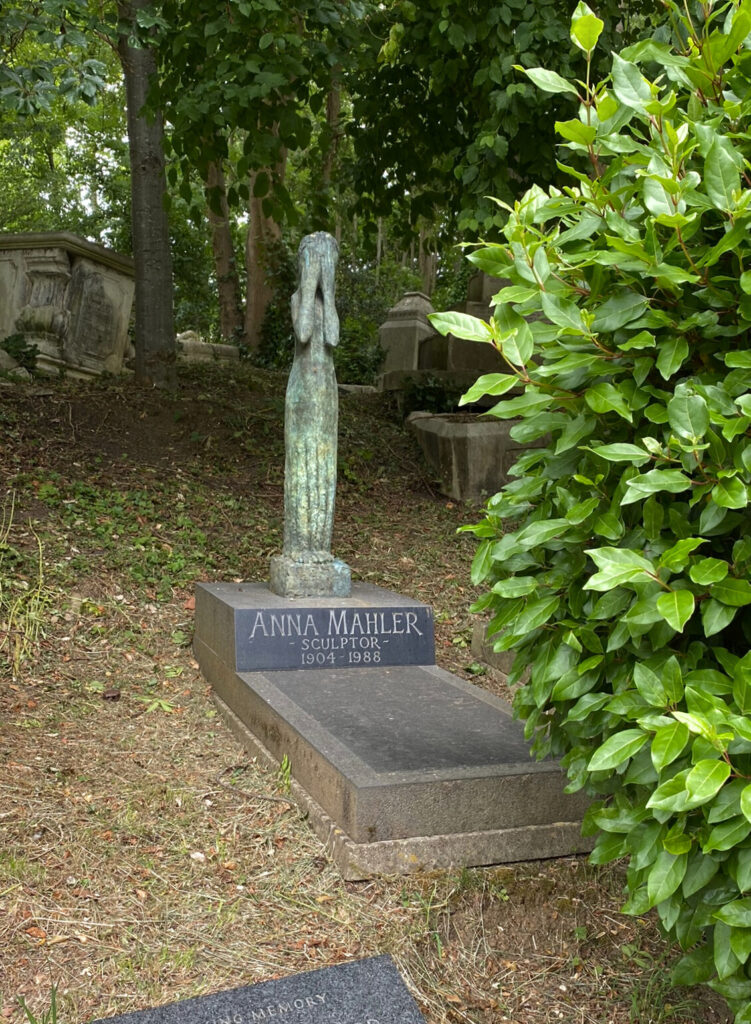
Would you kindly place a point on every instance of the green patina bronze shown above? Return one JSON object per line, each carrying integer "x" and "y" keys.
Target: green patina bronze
{"x": 306, "y": 566}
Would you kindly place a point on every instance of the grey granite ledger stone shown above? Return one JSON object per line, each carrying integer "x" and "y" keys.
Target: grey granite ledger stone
{"x": 362, "y": 992}
{"x": 306, "y": 567}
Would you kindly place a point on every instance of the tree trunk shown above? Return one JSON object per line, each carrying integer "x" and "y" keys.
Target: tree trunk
{"x": 379, "y": 248}
{"x": 231, "y": 321}
{"x": 155, "y": 329}
{"x": 427, "y": 264}
{"x": 262, "y": 233}
{"x": 333, "y": 115}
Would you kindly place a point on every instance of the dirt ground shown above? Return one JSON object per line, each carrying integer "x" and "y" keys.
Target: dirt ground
{"x": 144, "y": 856}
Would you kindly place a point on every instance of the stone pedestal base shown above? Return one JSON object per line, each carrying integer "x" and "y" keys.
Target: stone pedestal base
{"x": 289, "y": 578}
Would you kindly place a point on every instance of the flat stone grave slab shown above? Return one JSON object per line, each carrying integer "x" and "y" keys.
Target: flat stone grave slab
{"x": 367, "y": 991}
{"x": 255, "y": 630}
{"x": 403, "y": 768}
{"x": 399, "y": 764}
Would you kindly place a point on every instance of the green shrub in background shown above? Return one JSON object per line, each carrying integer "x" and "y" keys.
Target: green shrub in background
{"x": 622, "y": 577}
{"x": 19, "y": 349}
{"x": 426, "y": 393}
{"x": 277, "y": 346}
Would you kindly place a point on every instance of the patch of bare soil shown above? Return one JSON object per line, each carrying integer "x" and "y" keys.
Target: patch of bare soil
{"x": 144, "y": 857}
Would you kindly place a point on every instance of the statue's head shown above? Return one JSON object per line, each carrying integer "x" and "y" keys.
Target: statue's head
{"x": 321, "y": 245}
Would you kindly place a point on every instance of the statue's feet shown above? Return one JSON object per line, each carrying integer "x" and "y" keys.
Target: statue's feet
{"x": 292, "y": 578}
{"x": 310, "y": 557}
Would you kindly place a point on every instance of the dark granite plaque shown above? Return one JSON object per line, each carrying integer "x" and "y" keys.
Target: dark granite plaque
{"x": 363, "y": 992}
{"x": 271, "y": 638}
{"x": 261, "y": 632}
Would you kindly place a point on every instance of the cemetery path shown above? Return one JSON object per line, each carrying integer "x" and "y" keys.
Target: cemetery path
{"x": 144, "y": 857}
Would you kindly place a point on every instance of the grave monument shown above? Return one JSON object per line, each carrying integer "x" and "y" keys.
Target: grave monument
{"x": 399, "y": 764}
{"x": 68, "y": 297}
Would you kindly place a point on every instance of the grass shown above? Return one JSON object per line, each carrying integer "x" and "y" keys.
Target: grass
{"x": 48, "y": 1016}
{"x": 145, "y": 857}
{"x": 23, "y": 596}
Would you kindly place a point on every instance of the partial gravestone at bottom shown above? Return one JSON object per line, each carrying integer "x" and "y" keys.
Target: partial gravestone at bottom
{"x": 362, "y": 992}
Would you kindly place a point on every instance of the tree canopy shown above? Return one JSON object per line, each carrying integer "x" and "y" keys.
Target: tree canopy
{"x": 385, "y": 123}
{"x": 442, "y": 113}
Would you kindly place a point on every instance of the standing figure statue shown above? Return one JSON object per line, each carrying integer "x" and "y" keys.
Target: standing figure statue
{"x": 306, "y": 566}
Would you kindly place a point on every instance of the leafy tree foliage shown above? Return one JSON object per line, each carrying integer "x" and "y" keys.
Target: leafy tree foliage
{"x": 441, "y": 113}
{"x": 257, "y": 67}
{"x": 66, "y": 168}
{"x": 43, "y": 56}
{"x": 43, "y": 43}
{"x": 618, "y": 559}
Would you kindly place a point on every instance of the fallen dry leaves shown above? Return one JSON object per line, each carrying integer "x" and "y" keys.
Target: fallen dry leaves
{"x": 144, "y": 857}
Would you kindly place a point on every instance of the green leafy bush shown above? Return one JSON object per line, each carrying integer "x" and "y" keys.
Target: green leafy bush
{"x": 19, "y": 349}
{"x": 617, "y": 561}
{"x": 429, "y": 394}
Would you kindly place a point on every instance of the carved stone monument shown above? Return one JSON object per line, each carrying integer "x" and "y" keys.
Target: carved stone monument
{"x": 70, "y": 298}
{"x": 306, "y": 566}
{"x": 413, "y": 351}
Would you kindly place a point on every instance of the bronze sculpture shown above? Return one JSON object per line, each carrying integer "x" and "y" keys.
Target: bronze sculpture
{"x": 306, "y": 566}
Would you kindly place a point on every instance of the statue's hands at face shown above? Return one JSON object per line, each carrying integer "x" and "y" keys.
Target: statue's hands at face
{"x": 310, "y": 272}
{"x": 313, "y": 303}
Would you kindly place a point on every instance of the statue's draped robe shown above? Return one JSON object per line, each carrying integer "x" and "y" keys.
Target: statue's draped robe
{"x": 311, "y": 414}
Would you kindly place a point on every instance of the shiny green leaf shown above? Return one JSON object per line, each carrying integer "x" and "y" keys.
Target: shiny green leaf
{"x": 708, "y": 570}
{"x": 515, "y": 586}
{"x": 673, "y": 353}
{"x": 730, "y": 493}
{"x": 548, "y": 81}
{"x": 737, "y": 913}
{"x": 668, "y": 743}
{"x": 715, "y": 616}
{"x": 706, "y": 778}
{"x": 721, "y": 174}
{"x": 676, "y": 607}
{"x": 629, "y": 85}
{"x": 622, "y": 452}
{"x": 575, "y": 131}
{"x": 727, "y": 834}
{"x": 616, "y": 749}
{"x": 617, "y": 566}
{"x": 490, "y": 384}
{"x": 471, "y": 328}
{"x": 586, "y": 27}
{"x": 731, "y": 591}
{"x": 688, "y": 415}
{"x": 666, "y": 875}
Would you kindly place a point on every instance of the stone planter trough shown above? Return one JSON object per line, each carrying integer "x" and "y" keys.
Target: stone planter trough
{"x": 471, "y": 457}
